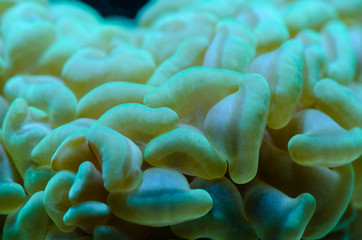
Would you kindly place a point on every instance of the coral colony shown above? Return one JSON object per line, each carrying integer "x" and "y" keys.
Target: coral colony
{"x": 213, "y": 119}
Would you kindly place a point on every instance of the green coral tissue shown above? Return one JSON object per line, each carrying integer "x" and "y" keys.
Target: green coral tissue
{"x": 200, "y": 119}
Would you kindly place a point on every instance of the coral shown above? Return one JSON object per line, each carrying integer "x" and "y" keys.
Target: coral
{"x": 217, "y": 119}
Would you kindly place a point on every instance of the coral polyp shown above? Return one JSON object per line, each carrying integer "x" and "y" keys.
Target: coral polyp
{"x": 216, "y": 119}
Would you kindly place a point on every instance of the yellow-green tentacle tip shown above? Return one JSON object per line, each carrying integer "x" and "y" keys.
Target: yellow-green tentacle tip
{"x": 170, "y": 30}
{"x": 106, "y": 96}
{"x": 87, "y": 215}
{"x": 343, "y": 104}
{"x": 56, "y": 200}
{"x": 88, "y": 185}
{"x": 282, "y": 68}
{"x": 119, "y": 157}
{"x": 266, "y": 23}
{"x": 315, "y": 62}
{"x": 46, "y": 93}
{"x": 190, "y": 53}
{"x": 91, "y": 67}
{"x": 22, "y": 130}
{"x": 20, "y": 32}
{"x": 163, "y": 198}
{"x": 233, "y": 47}
{"x": 308, "y": 14}
{"x": 72, "y": 152}
{"x": 53, "y": 58}
{"x": 187, "y": 151}
{"x": 43, "y": 152}
{"x": 12, "y": 193}
{"x": 36, "y": 178}
{"x": 340, "y": 54}
{"x": 192, "y": 92}
{"x": 12, "y": 196}
{"x": 235, "y": 126}
{"x": 320, "y": 141}
{"x": 138, "y": 122}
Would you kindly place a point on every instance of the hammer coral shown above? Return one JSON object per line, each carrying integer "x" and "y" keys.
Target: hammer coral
{"x": 217, "y": 119}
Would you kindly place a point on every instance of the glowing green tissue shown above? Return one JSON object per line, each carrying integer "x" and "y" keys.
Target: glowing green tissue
{"x": 170, "y": 30}
{"x": 235, "y": 126}
{"x": 233, "y": 47}
{"x": 90, "y": 67}
{"x": 119, "y": 157}
{"x": 56, "y": 200}
{"x": 29, "y": 222}
{"x": 331, "y": 187}
{"x": 188, "y": 151}
{"x": 138, "y": 122}
{"x": 266, "y": 23}
{"x": 314, "y": 139}
{"x": 46, "y": 93}
{"x": 189, "y": 53}
{"x": 276, "y": 215}
{"x": 225, "y": 221}
{"x": 340, "y": 55}
{"x": 106, "y": 96}
{"x": 21, "y": 31}
{"x": 88, "y": 185}
{"x": 343, "y": 104}
{"x": 308, "y": 14}
{"x": 198, "y": 119}
{"x": 12, "y": 194}
{"x": 315, "y": 63}
{"x": 87, "y": 215}
{"x": 36, "y": 178}
{"x": 109, "y": 36}
{"x": 72, "y": 152}
{"x": 43, "y": 152}
{"x": 23, "y": 128}
{"x": 163, "y": 198}
{"x": 192, "y": 92}
{"x": 282, "y": 68}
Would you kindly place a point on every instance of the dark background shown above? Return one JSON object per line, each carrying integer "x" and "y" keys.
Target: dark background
{"x": 127, "y": 8}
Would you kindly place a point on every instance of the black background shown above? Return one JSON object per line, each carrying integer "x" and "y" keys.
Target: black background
{"x": 127, "y": 8}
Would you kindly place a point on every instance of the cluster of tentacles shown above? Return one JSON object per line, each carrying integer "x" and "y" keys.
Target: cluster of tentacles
{"x": 218, "y": 119}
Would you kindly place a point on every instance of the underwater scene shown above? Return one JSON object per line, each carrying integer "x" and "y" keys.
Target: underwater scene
{"x": 185, "y": 119}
